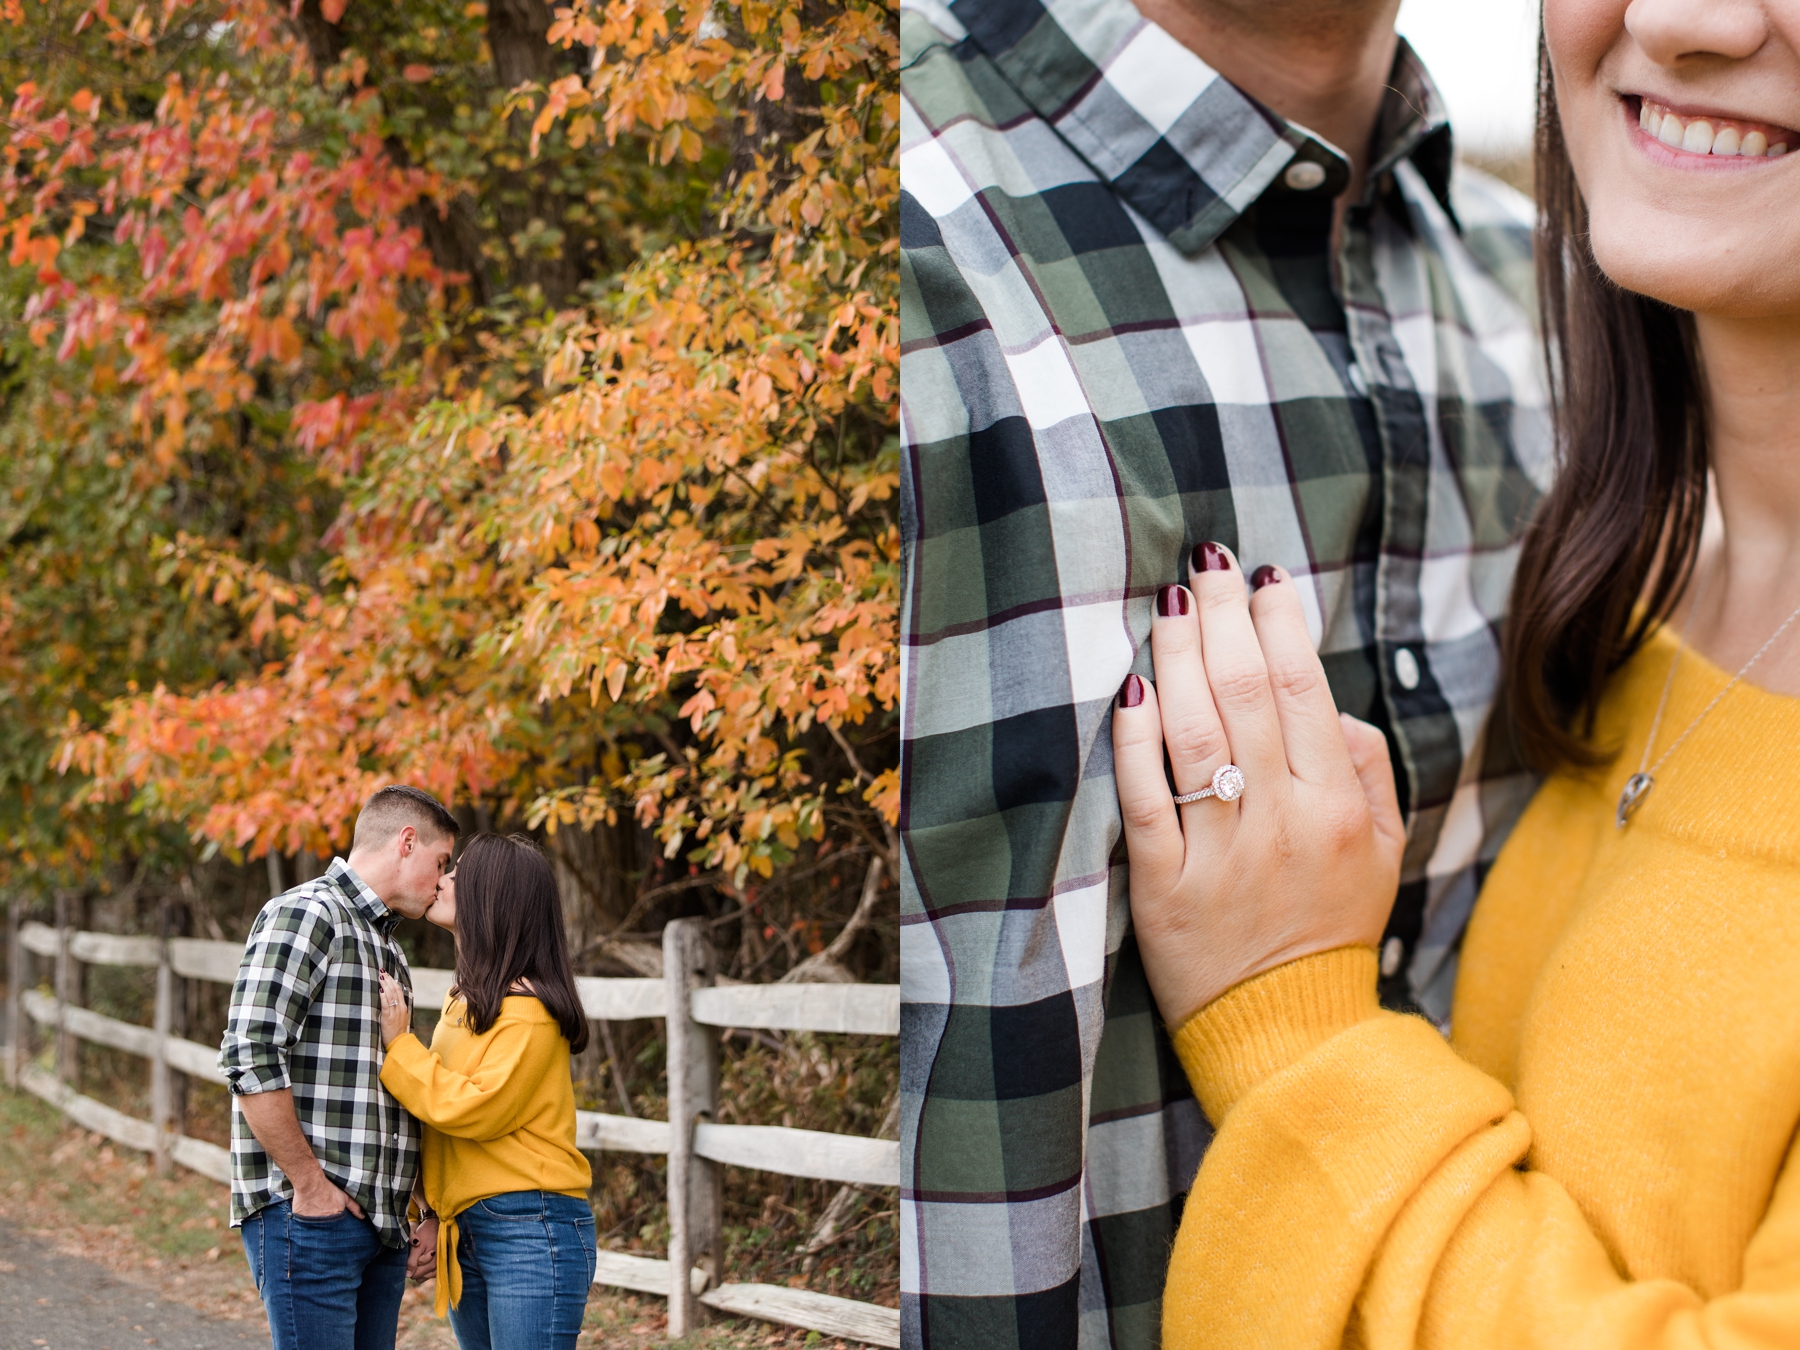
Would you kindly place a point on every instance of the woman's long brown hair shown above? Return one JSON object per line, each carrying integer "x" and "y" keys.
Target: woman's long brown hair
{"x": 509, "y": 927}
{"x": 1622, "y": 523}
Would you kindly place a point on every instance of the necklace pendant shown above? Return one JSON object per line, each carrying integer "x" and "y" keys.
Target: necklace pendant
{"x": 1637, "y": 787}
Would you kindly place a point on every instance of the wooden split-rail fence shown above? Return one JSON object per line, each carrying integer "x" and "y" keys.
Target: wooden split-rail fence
{"x": 687, "y": 996}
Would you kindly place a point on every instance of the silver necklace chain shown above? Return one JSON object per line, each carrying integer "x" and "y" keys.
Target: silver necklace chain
{"x": 1638, "y": 786}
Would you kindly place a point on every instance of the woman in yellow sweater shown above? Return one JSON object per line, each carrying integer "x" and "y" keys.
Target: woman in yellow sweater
{"x": 501, "y": 1175}
{"x": 1602, "y": 1154}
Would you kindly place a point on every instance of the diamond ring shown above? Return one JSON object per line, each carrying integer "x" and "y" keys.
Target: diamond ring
{"x": 1227, "y": 786}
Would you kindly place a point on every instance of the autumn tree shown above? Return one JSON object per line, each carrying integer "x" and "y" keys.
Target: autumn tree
{"x": 487, "y": 397}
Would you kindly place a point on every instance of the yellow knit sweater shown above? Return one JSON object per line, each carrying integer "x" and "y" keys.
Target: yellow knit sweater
{"x": 1599, "y": 1159}
{"x": 498, "y": 1112}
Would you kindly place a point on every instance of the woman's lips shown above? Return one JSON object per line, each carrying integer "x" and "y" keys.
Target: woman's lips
{"x": 1715, "y": 135}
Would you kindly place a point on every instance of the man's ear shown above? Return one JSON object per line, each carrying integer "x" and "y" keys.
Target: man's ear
{"x": 408, "y": 837}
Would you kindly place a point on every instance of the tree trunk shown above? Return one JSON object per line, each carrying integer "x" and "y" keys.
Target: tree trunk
{"x": 515, "y": 34}
{"x": 324, "y": 41}
{"x": 529, "y": 214}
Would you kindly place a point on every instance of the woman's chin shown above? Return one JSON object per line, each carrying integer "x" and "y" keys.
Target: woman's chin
{"x": 1729, "y": 283}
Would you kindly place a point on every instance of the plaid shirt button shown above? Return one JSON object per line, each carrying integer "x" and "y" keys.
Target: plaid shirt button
{"x": 1304, "y": 176}
{"x": 1393, "y": 951}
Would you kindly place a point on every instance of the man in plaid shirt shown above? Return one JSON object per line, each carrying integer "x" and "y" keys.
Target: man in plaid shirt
{"x": 323, "y": 1160}
{"x": 1144, "y": 307}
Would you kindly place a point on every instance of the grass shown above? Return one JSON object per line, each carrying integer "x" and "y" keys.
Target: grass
{"x": 92, "y": 1199}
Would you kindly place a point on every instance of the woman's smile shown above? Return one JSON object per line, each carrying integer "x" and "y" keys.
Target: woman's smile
{"x": 1697, "y": 138}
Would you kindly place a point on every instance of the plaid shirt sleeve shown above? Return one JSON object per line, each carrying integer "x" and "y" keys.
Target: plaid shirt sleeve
{"x": 282, "y": 972}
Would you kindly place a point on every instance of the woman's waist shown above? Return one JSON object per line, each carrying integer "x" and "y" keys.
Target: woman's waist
{"x": 504, "y": 1207}
{"x": 458, "y": 1172}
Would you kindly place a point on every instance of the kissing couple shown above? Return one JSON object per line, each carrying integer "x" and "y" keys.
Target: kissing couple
{"x": 360, "y": 1155}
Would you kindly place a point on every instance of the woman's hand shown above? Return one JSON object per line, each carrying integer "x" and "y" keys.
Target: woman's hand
{"x": 1308, "y": 858}
{"x": 396, "y": 1015}
{"x": 421, "y": 1262}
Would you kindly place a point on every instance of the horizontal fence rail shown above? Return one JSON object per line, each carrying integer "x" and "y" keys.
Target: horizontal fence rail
{"x": 694, "y": 1153}
{"x": 801, "y": 1153}
{"x": 866, "y": 1009}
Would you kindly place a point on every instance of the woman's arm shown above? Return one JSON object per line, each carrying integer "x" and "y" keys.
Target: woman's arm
{"x": 483, "y": 1105}
{"x": 1364, "y": 1188}
{"x": 1364, "y": 1185}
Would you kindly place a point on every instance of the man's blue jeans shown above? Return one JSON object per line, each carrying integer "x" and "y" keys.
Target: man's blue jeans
{"x": 527, "y": 1261}
{"x": 328, "y": 1284}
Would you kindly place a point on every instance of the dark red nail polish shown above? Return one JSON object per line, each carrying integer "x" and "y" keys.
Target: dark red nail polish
{"x": 1264, "y": 576}
{"x": 1211, "y": 557}
{"x": 1172, "y": 600}
{"x": 1131, "y": 693}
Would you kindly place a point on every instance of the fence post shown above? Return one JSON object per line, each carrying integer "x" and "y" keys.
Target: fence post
{"x": 68, "y": 1049}
{"x": 15, "y": 987}
{"x": 696, "y": 1213}
{"x": 181, "y": 993}
{"x": 160, "y": 1100}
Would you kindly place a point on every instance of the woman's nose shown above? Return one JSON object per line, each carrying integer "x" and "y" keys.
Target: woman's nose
{"x": 1671, "y": 32}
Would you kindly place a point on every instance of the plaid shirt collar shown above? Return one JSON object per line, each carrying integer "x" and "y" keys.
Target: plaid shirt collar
{"x": 357, "y": 892}
{"x": 1188, "y": 149}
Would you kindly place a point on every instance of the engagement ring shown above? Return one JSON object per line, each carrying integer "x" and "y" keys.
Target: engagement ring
{"x": 1227, "y": 786}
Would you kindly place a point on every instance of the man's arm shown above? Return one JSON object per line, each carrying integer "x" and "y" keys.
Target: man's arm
{"x": 271, "y": 1118}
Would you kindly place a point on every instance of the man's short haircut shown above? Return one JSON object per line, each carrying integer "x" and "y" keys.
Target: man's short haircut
{"x": 394, "y": 808}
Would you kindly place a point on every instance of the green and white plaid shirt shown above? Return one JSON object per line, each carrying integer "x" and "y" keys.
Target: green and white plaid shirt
{"x": 1124, "y": 331}
{"x": 306, "y": 1015}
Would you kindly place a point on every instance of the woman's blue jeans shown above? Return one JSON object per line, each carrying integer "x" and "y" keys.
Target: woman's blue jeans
{"x": 527, "y": 1261}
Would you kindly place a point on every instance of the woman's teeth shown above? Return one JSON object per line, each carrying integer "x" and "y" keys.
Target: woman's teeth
{"x": 1709, "y": 135}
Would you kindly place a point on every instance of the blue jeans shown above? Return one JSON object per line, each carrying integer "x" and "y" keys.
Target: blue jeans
{"x": 328, "y": 1284}
{"x": 527, "y": 1261}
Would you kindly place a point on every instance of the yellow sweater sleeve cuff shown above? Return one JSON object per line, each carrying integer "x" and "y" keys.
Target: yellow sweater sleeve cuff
{"x": 400, "y": 1056}
{"x": 1260, "y": 1027}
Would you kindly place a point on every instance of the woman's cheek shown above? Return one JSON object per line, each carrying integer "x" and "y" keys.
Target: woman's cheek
{"x": 1579, "y": 33}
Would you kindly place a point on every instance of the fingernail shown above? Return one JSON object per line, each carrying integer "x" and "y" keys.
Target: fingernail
{"x": 1131, "y": 693}
{"x": 1211, "y": 557}
{"x": 1264, "y": 576}
{"x": 1172, "y": 600}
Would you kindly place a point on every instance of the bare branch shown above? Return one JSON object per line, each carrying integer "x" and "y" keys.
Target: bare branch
{"x": 827, "y": 967}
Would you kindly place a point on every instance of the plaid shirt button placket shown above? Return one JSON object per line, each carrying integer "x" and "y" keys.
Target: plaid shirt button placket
{"x": 1123, "y": 332}
{"x": 305, "y": 1015}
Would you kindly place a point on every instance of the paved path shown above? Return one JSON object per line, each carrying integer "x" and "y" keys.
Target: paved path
{"x": 54, "y": 1302}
